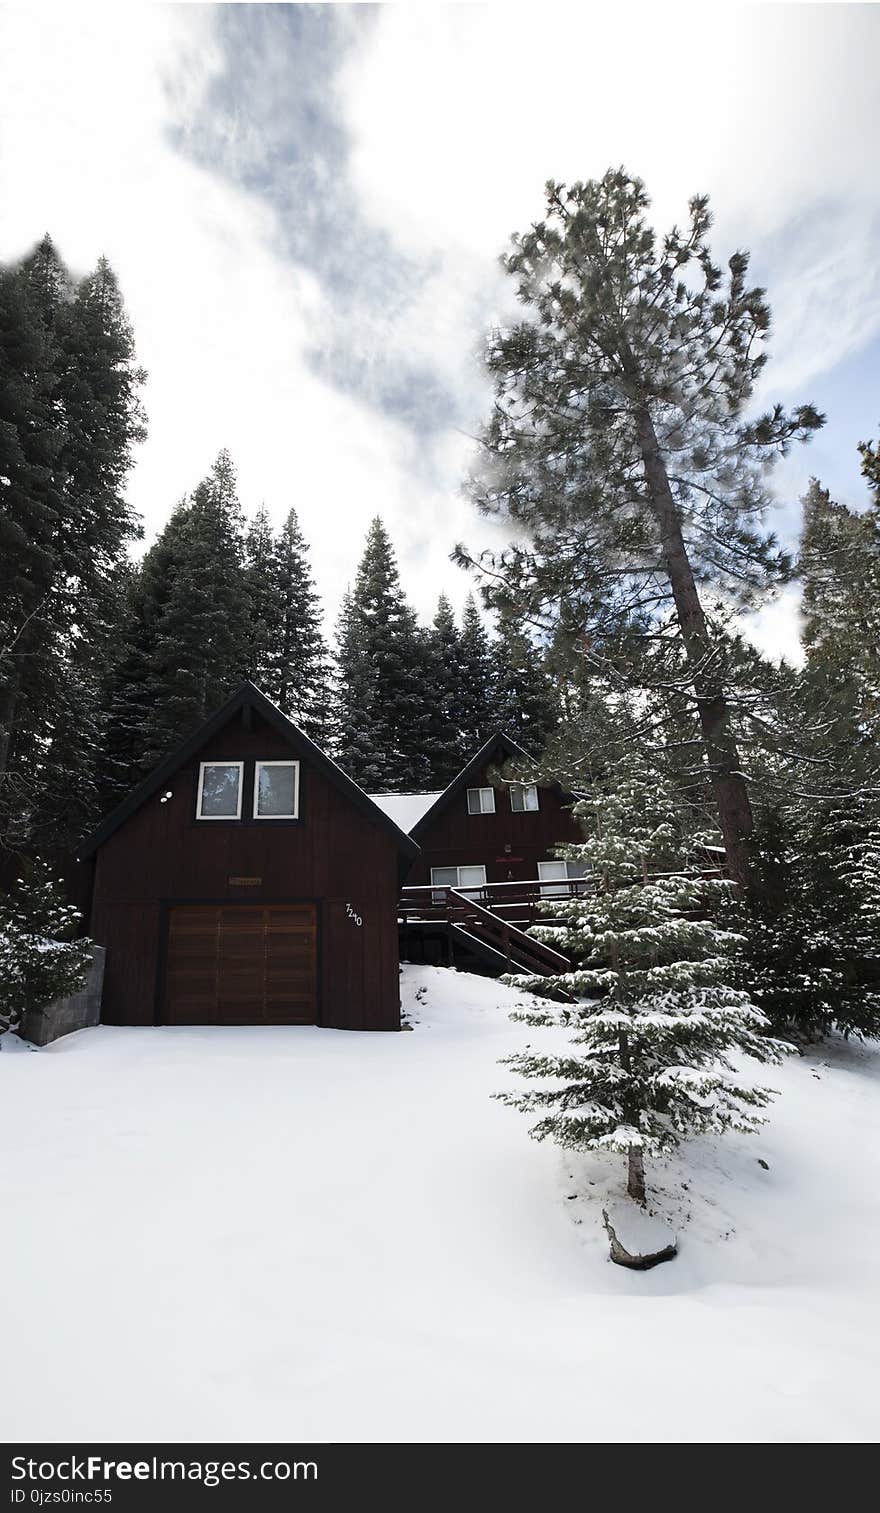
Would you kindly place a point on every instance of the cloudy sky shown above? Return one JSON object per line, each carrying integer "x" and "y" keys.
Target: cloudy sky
{"x": 305, "y": 205}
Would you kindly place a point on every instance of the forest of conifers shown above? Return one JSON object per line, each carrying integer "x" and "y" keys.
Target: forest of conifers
{"x": 611, "y": 642}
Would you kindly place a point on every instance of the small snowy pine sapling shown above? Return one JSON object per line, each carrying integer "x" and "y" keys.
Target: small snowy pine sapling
{"x": 40, "y": 957}
{"x": 655, "y": 1019}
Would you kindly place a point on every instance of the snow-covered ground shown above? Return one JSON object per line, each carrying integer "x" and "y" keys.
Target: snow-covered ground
{"x": 302, "y": 1234}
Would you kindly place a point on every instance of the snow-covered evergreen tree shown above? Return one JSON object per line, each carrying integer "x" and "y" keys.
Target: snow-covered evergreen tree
{"x": 479, "y": 713}
{"x": 525, "y": 697}
{"x": 656, "y": 1018}
{"x": 289, "y": 659}
{"x": 40, "y": 957}
{"x": 448, "y": 698}
{"x": 70, "y": 418}
{"x": 188, "y": 631}
{"x": 383, "y": 677}
{"x": 811, "y": 920}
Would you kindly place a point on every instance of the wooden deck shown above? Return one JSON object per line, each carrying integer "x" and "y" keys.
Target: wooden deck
{"x": 489, "y": 922}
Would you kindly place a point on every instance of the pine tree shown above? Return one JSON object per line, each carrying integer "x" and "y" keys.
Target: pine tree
{"x": 840, "y": 570}
{"x": 810, "y": 960}
{"x": 526, "y": 699}
{"x": 383, "y": 678}
{"x": 188, "y": 638}
{"x": 131, "y": 690}
{"x": 480, "y": 716}
{"x": 808, "y": 921}
{"x": 446, "y": 698}
{"x": 259, "y": 556}
{"x": 656, "y": 1017}
{"x": 70, "y": 417}
{"x": 290, "y": 661}
{"x": 202, "y": 636}
{"x": 621, "y": 446}
{"x": 40, "y": 957}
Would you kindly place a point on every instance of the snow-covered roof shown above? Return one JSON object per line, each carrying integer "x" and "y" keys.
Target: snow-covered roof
{"x": 405, "y": 809}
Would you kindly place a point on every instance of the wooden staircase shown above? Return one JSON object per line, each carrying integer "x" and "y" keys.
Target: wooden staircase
{"x": 496, "y": 941}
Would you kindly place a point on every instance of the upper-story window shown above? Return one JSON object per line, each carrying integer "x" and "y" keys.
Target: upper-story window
{"x": 276, "y": 791}
{"x": 275, "y": 797}
{"x": 524, "y": 798}
{"x": 481, "y": 800}
{"x": 220, "y": 790}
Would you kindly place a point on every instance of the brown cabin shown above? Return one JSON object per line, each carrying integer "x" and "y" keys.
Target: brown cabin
{"x": 480, "y": 831}
{"x": 247, "y": 880}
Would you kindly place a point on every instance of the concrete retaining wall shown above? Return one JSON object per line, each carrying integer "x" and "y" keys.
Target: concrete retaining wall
{"x": 78, "y": 1012}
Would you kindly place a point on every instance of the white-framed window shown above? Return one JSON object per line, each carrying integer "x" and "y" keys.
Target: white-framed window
{"x": 219, "y": 791}
{"x": 524, "y": 798}
{"x": 559, "y": 874}
{"x": 276, "y": 791}
{"x": 467, "y": 880}
{"x": 481, "y": 800}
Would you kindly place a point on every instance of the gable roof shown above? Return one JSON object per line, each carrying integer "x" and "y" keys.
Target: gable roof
{"x": 500, "y": 744}
{"x": 245, "y": 696}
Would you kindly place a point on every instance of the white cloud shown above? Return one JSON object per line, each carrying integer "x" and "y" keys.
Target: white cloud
{"x": 456, "y": 116}
{"x": 460, "y": 113}
{"x": 223, "y": 321}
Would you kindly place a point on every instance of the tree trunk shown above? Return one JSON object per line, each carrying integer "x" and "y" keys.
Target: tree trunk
{"x": 8, "y": 702}
{"x": 728, "y": 783}
{"x": 635, "y": 1181}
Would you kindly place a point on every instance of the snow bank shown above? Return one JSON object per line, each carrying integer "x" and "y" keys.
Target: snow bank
{"x": 293, "y": 1233}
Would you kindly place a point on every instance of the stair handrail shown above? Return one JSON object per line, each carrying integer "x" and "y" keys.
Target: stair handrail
{"x": 527, "y": 944}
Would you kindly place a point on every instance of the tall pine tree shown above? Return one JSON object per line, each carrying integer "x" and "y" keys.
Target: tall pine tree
{"x": 526, "y": 699}
{"x": 447, "y": 699}
{"x": 622, "y": 445}
{"x": 189, "y": 637}
{"x": 290, "y": 661}
{"x": 383, "y": 678}
{"x": 71, "y": 417}
{"x": 480, "y": 714}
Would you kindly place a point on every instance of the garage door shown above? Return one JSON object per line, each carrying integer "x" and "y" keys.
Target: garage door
{"x": 241, "y": 964}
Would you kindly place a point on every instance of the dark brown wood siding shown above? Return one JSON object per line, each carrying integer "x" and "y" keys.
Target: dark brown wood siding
{"x": 507, "y": 844}
{"x": 333, "y": 857}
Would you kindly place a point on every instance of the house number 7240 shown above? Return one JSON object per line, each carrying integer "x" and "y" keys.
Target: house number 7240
{"x": 353, "y": 916}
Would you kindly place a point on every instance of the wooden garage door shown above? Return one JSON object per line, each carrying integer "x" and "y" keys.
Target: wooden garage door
{"x": 241, "y": 964}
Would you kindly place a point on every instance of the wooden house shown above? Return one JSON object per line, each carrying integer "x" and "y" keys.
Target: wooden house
{"x": 482, "y": 830}
{"x": 247, "y": 880}
{"x": 485, "y": 863}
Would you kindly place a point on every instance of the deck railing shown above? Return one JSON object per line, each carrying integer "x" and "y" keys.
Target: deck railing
{"x": 515, "y": 902}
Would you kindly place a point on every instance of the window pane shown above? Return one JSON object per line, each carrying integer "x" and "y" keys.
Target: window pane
{"x": 550, "y": 873}
{"x": 577, "y": 869}
{"x": 474, "y": 801}
{"x": 443, "y": 877}
{"x": 220, "y": 785}
{"x": 276, "y": 791}
{"x": 523, "y": 798}
{"x": 471, "y": 877}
